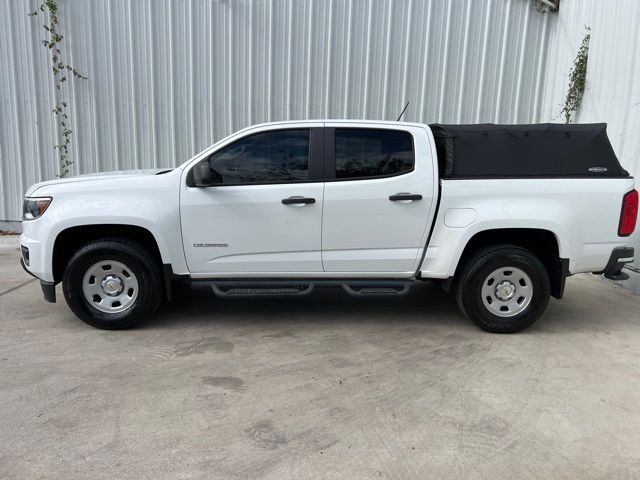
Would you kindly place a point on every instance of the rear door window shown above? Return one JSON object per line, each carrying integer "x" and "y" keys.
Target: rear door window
{"x": 370, "y": 153}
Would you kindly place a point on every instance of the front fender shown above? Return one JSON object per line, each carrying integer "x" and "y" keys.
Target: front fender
{"x": 150, "y": 202}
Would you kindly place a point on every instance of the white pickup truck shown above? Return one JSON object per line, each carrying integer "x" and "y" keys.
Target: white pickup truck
{"x": 498, "y": 214}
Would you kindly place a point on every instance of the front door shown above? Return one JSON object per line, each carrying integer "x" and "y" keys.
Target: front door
{"x": 377, "y": 207}
{"x": 263, "y": 215}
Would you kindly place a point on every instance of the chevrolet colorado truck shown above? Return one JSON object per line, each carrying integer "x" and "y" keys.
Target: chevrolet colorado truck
{"x": 500, "y": 215}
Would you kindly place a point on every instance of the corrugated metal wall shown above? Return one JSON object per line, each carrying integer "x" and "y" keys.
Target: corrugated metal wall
{"x": 613, "y": 72}
{"x": 167, "y": 78}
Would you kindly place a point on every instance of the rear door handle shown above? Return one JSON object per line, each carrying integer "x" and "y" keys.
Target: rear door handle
{"x": 298, "y": 200}
{"x": 398, "y": 197}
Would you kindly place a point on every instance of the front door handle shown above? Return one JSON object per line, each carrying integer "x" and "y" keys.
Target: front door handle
{"x": 399, "y": 197}
{"x": 298, "y": 200}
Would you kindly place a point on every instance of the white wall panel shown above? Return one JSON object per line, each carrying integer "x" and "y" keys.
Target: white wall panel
{"x": 166, "y": 78}
{"x": 613, "y": 72}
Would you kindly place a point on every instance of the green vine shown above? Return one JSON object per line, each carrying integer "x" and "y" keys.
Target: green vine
{"x": 61, "y": 72}
{"x": 577, "y": 79}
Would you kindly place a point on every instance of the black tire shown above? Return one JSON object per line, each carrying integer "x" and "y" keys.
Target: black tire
{"x": 470, "y": 281}
{"x": 142, "y": 264}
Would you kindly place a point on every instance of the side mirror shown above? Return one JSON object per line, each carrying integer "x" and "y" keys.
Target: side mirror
{"x": 202, "y": 175}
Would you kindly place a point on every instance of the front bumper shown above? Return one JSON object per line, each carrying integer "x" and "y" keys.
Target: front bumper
{"x": 36, "y": 244}
{"x": 39, "y": 256}
{"x": 48, "y": 288}
{"x": 620, "y": 256}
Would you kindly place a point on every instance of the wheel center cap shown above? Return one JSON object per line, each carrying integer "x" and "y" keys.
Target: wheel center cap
{"x": 505, "y": 290}
{"x": 112, "y": 285}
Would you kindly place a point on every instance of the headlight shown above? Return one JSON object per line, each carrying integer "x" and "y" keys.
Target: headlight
{"x": 33, "y": 208}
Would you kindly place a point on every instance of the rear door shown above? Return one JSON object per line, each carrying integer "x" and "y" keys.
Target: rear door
{"x": 378, "y": 198}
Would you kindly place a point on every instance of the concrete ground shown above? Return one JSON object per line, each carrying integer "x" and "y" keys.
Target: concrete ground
{"x": 323, "y": 387}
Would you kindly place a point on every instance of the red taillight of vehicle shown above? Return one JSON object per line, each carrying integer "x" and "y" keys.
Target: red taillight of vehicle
{"x": 629, "y": 214}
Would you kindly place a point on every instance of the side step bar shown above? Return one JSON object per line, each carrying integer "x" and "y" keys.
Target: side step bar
{"x": 378, "y": 289}
{"x": 262, "y": 290}
{"x": 303, "y": 287}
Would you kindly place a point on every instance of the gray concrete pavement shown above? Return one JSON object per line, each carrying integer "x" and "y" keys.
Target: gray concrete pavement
{"x": 323, "y": 387}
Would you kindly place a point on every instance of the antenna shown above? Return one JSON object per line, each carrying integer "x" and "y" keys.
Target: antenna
{"x": 402, "y": 112}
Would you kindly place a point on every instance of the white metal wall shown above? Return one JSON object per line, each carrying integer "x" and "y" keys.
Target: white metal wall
{"x": 168, "y": 77}
{"x": 613, "y": 72}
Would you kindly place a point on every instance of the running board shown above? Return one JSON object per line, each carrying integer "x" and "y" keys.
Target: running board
{"x": 262, "y": 290}
{"x": 303, "y": 287}
{"x": 378, "y": 289}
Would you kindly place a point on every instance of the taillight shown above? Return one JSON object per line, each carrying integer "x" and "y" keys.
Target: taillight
{"x": 628, "y": 214}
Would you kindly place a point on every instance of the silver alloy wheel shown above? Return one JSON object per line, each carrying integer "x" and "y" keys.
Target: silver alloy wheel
{"x": 110, "y": 286}
{"x": 507, "y": 291}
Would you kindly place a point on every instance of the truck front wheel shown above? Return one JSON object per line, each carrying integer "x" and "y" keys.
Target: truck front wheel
{"x": 503, "y": 289}
{"x": 112, "y": 283}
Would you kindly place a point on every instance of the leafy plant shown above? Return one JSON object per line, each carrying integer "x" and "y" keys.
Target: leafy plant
{"x": 577, "y": 79}
{"x": 546, "y": 6}
{"x": 61, "y": 72}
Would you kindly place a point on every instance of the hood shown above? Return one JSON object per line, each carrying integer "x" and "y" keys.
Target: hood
{"x": 97, "y": 177}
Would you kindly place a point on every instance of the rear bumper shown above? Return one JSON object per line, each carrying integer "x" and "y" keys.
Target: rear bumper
{"x": 620, "y": 256}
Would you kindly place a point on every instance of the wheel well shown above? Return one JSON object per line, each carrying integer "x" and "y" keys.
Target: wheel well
{"x": 69, "y": 241}
{"x": 542, "y": 243}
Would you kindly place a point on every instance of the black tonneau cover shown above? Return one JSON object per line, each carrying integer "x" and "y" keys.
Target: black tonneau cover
{"x": 537, "y": 150}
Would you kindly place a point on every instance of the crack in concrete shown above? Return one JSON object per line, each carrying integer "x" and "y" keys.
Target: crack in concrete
{"x": 17, "y": 287}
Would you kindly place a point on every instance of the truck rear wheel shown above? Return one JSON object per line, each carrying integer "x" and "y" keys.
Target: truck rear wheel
{"x": 112, "y": 284}
{"x": 503, "y": 289}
